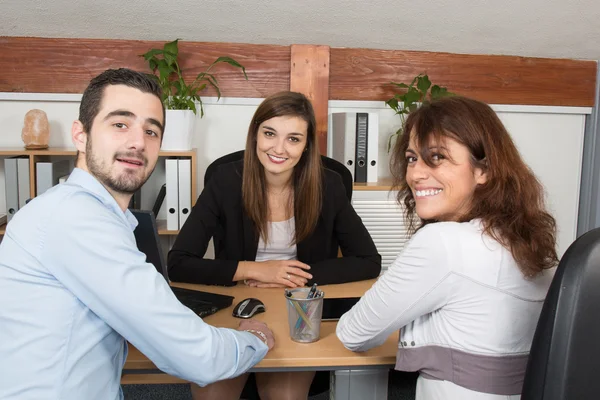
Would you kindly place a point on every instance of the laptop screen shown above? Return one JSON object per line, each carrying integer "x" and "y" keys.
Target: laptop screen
{"x": 148, "y": 242}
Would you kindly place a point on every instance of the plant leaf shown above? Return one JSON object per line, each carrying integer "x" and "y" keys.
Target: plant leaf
{"x": 176, "y": 93}
{"x": 178, "y": 87}
{"x": 229, "y": 61}
{"x": 400, "y": 85}
{"x": 151, "y": 54}
{"x": 170, "y": 58}
{"x": 164, "y": 69}
{"x": 195, "y": 89}
{"x": 201, "y": 108}
{"x": 172, "y": 48}
{"x": 412, "y": 83}
{"x": 423, "y": 84}
{"x": 393, "y": 104}
{"x": 213, "y": 82}
{"x": 411, "y": 97}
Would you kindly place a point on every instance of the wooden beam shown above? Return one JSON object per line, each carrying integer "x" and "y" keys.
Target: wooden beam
{"x": 365, "y": 74}
{"x": 46, "y": 65}
{"x": 310, "y": 75}
{"x": 49, "y": 65}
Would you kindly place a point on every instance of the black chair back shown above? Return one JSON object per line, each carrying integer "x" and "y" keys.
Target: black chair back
{"x": 328, "y": 163}
{"x": 564, "y": 362}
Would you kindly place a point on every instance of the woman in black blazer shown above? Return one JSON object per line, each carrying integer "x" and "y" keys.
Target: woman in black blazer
{"x": 277, "y": 219}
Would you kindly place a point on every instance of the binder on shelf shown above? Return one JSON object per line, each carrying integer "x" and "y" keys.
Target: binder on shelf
{"x": 185, "y": 189}
{"x": 159, "y": 200}
{"x": 11, "y": 187}
{"x": 172, "y": 195}
{"x": 373, "y": 147}
{"x": 48, "y": 172}
{"x": 343, "y": 136}
{"x": 355, "y": 143}
{"x": 360, "y": 157}
{"x": 23, "y": 181}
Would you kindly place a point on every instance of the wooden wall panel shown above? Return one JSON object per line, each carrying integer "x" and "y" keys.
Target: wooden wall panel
{"x": 42, "y": 65}
{"x": 310, "y": 75}
{"x": 364, "y": 74}
{"x": 50, "y": 65}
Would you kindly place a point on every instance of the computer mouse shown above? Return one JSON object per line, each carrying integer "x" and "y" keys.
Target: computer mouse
{"x": 247, "y": 308}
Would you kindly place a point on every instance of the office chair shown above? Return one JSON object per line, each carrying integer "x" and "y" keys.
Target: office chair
{"x": 564, "y": 362}
{"x": 328, "y": 163}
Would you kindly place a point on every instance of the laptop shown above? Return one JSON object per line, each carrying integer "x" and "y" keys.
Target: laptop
{"x": 148, "y": 242}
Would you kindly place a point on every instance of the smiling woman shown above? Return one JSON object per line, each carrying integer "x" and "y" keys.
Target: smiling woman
{"x": 468, "y": 287}
{"x": 278, "y": 219}
{"x": 441, "y": 179}
{"x": 282, "y": 156}
{"x": 458, "y": 164}
{"x": 280, "y": 142}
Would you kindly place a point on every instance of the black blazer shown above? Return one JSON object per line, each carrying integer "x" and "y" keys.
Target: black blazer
{"x": 219, "y": 214}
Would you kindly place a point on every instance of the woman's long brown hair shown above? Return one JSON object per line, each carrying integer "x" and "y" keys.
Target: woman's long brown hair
{"x": 510, "y": 203}
{"x": 306, "y": 178}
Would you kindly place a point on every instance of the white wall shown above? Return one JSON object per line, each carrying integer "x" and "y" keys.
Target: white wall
{"x": 549, "y": 138}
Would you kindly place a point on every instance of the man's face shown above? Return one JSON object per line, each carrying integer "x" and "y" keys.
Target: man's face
{"x": 122, "y": 146}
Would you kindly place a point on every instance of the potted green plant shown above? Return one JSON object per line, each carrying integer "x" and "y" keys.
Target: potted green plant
{"x": 419, "y": 91}
{"x": 181, "y": 99}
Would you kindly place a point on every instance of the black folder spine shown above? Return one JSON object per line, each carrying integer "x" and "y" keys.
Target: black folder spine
{"x": 360, "y": 171}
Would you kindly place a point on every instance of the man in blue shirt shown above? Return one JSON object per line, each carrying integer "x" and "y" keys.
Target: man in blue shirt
{"x": 73, "y": 285}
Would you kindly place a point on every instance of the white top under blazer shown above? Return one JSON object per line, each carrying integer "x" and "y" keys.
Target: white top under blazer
{"x": 280, "y": 245}
{"x": 466, "y": 314}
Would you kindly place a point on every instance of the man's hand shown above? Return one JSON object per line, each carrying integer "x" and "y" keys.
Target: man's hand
{"x": 257, "y": 326}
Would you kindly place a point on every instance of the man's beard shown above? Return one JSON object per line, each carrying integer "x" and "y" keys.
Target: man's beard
{"x": 127, "y": 183}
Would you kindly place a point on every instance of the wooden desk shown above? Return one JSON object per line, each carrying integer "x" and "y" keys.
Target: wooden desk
{"x": 326, "y": 354}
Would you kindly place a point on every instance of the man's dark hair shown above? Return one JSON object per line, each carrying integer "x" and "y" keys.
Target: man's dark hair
{"x": 92, "y": 97}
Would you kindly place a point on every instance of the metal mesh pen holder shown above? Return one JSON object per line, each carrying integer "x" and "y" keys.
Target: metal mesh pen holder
{"x": 304, "y": 314}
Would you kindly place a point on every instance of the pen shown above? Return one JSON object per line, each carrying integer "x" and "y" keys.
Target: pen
{"x": 303, "y": 316}
{"x": 313, "y": 291}
{"x": 311, "y": 295}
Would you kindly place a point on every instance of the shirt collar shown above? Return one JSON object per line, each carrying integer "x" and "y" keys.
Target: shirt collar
{"x": 89, "y": 182}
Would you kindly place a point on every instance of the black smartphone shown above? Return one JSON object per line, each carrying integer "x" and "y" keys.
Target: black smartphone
{"x": 334, "y": 308}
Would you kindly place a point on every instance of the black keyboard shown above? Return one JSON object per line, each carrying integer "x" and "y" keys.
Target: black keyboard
{"x": 202, "y": 303}
{"x": 202, "y": 310}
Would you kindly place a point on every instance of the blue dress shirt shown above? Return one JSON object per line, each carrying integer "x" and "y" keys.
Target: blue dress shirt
{"x": 74, "y": 287}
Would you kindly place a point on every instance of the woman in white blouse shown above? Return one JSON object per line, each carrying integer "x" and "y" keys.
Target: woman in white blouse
{"x": 467, "y": 290}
